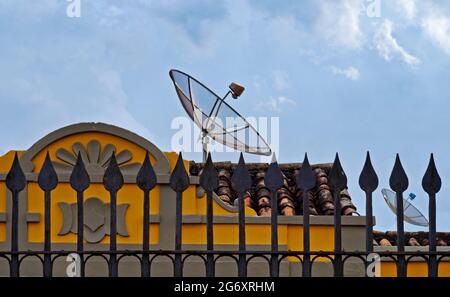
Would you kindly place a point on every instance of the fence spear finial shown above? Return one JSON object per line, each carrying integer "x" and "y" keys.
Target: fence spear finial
{"x": 79, "y": 178}
{"x": 306, "y": 179}
{"x": 113, "y": 178}
{"x": 274, "y": 177}
{"x": 179, "y": 179}
{"x": 337, "y": 177}
{"x": 398, "y": 180}
{"x": 15, "y": 179}
{"x": 209, "y": 179}
{"x": 241, "y": 179}
{"x": 47, "y": 178}
{"x": 431, "y": 181}
{"x": 368, "y": 179}
{"x": 146, "y": 177}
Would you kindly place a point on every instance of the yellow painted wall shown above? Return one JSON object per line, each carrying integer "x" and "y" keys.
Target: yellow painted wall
{"x": 129, "y": 194}
{"x": 7, "y": 159}
{"x": 5, "y": 164}
{"x": 257, "y": 234}
{"x": 415, "y": 269}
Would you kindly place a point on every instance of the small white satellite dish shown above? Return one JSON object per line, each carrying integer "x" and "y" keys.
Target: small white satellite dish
{"x": 411, "y": 214}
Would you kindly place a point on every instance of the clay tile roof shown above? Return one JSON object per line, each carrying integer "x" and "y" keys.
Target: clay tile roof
{"x": 411, "y": 238}
{"x": 289, "y": 197}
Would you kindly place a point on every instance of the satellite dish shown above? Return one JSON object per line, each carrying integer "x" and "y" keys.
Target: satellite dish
{"x": 411, "y": 214}
{"x": 215, "y": 117}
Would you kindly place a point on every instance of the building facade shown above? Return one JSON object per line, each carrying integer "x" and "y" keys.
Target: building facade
{"x": 95, "y": 143}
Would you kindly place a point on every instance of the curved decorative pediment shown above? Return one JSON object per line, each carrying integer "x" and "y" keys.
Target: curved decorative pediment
{"x": 98, "y": 142}
{"x": 95, "y": 158}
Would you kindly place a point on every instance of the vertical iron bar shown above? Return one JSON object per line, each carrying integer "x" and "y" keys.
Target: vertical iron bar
{"x": 145, "y": 264}
{"x": 274, "y": 181}
{"x": 242, "y": 257}
{"x": 14, "y": 270}
{"x": 241, "y": 182}
{"x": 179, "y": 182}
{"x": 209, "y": 234}
{"x": 47, "y": 236}
{"x": 113, "y": 271}
{"x": 369, "y": 223}
{"x": 338, "y": 182}
{"x": 274, "y": 235}
{"x": 178, "y": 233}
{"x": 15, "y": 182}
{"x": 433, "y": 265}
{"x": 401, "y": 265}
{"x": 369, "y": 227}
{"x": 368, "y": 182}
{"x": 113, "y": 182}
{"x": 306, "y": 180}
{"x": 432, "y": 183}
{"x": 209, "y": 181}
{"x": 47, "y": 181}
{"x": 80, "y": 230}
{"x": 79, "y": 181}
{"x": 306, "y": 269}
{"x": 399, "y": 183}
{"x": 146, "y": 180}
{"x": 338, "y": 269}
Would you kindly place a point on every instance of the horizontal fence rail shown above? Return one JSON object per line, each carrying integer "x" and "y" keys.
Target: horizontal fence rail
{"x": 241, "y": 180}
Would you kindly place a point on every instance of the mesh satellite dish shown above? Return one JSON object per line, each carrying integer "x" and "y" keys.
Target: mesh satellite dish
{"x": 411, "y": 214}
{"x": 215, "y": 117}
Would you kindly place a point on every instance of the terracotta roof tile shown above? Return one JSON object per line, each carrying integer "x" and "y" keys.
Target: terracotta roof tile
{"x": 413, "y": 242}
{"x": 385, "y": 242}
{"x": 411, "y": 238}
{"x": 289, "y": 197}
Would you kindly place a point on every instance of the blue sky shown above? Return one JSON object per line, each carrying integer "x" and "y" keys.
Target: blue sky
{"x": 339, "y": 79}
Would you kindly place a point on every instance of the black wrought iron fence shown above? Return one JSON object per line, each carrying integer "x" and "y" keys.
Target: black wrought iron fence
{"x": 179, "y": 181}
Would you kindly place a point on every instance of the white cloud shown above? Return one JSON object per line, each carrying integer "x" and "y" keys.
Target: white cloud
{"x": 351, "y": 72}
{"x": 276, "y": 104}
{"x": 388, "y": 46}
{"x": 280, "y": 80}
{"x": 437, "y": 27}
{"x": 408, "y": 8}
{"x": 339, "y": 23}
